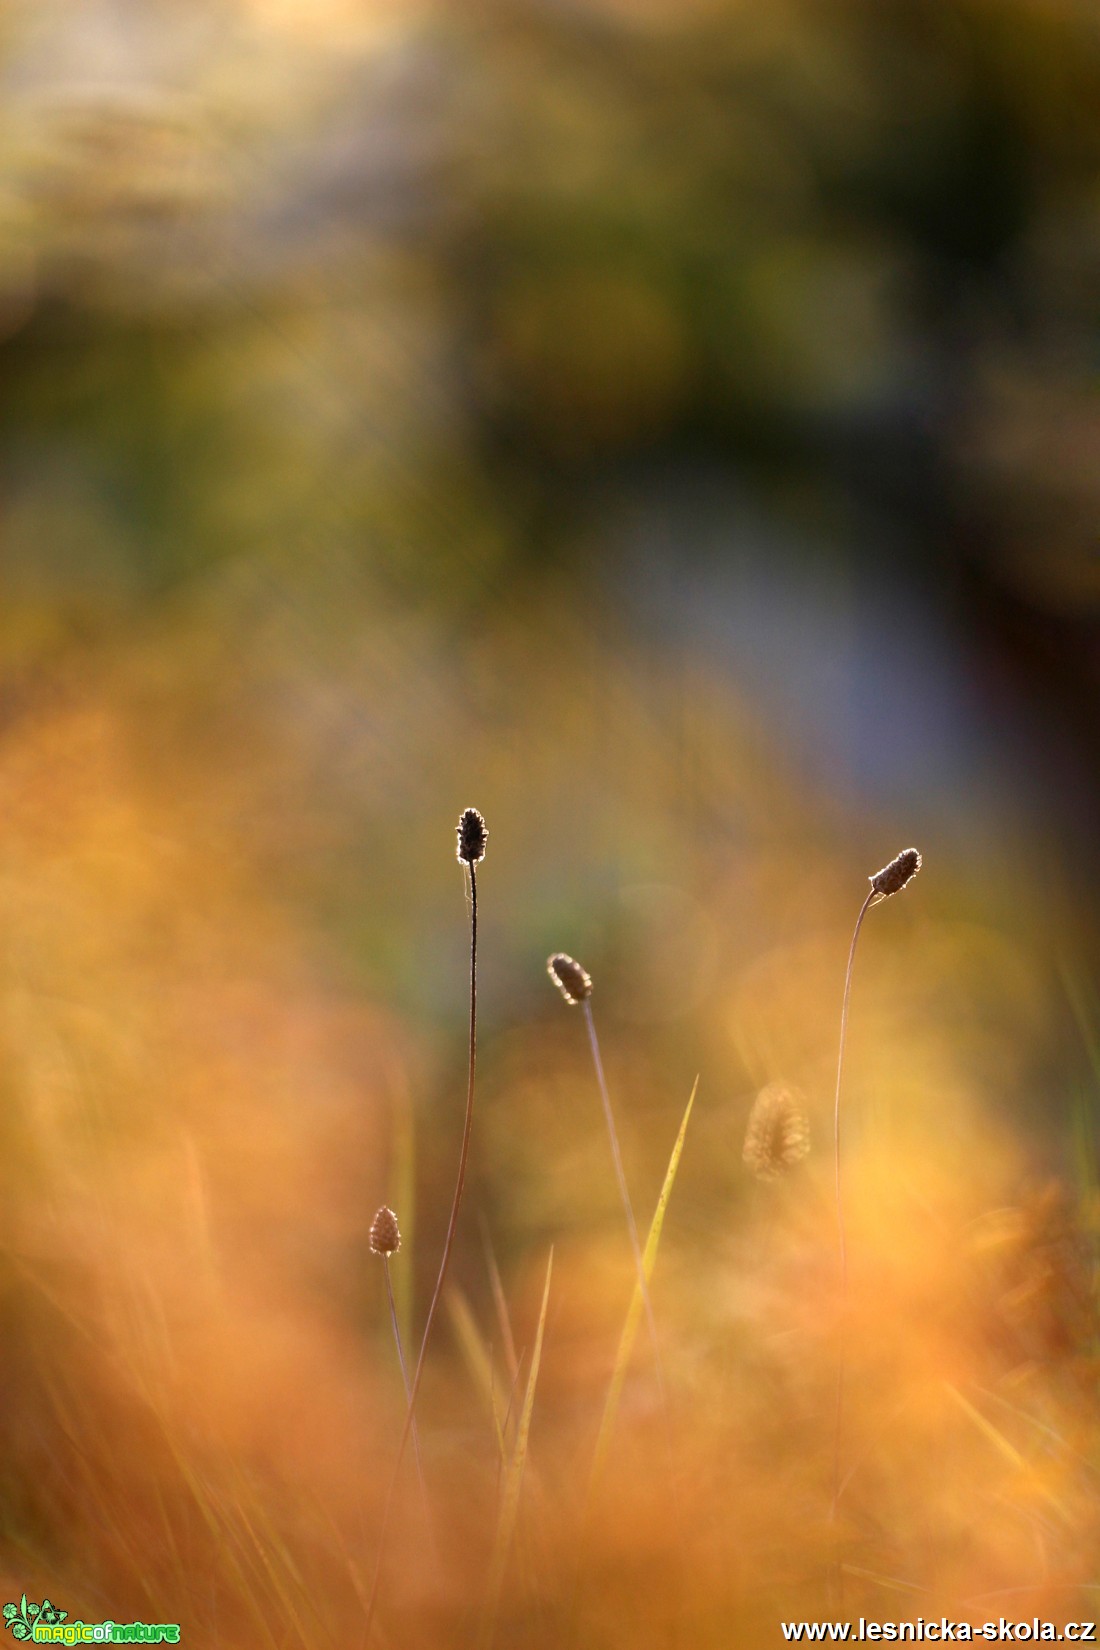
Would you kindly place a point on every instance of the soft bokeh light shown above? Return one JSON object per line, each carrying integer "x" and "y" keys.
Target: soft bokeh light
{"x": 672, "y": 430}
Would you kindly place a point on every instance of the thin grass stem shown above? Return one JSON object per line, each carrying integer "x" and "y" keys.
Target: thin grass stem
{"x": 448, "y": 1245}
{"x": 895, "y": 876}
{"x": 838, "y": 1415}
{"x": 872, "y": 899}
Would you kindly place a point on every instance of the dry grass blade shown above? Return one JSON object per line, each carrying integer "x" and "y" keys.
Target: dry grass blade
{"x": 889, "y": 1584}
{"x": 634, "y": 1311}
{"x": 478, "y": 1358}
{"x": 1000, "y": 1443}
{"x": 509, "y": 1506}
{"x": 507, "y": 1338}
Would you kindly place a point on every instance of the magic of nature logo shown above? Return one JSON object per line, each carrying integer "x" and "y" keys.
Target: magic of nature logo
{"x": 45, "y": 1624}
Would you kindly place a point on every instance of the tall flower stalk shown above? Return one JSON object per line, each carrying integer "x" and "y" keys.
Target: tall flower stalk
{"x": 890, "y": 880}
{"x": 472, "y": 838}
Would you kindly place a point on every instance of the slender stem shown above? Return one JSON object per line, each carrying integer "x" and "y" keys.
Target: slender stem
{"x": 620, "y": 1174}
{"x": 464, "y": 1152}
{"x": 864, "y": 908}
{"x": 872, "y": 899}
{"x": 404, "y": 1368}
{"x": 452, "y": 1225}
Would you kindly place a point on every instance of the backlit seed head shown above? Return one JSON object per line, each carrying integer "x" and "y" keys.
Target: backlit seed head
{"x": 778, "y": 1132}
{"x": 472, "y": 837}
{"x": 569, "y": 977}
{"x": 385, "y": 1235}
{"x": 893, "y": 877}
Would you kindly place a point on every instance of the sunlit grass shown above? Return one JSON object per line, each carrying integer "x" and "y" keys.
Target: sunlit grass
{"x": 204, "y": 1109}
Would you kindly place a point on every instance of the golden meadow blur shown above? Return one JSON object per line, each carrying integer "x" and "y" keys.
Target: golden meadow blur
{"x": 671, "y": 428}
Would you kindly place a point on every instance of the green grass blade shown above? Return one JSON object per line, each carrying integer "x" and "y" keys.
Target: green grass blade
{"x": 509, "y": 1505}
{"x": 634, "y": 1311}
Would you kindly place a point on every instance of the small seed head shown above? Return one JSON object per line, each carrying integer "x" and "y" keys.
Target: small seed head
{"x": 472, "y": 837}
{"x": 385, "y": 1235}
{"x": 893, "y": 877}
{"x": 569, "y": 977}
{"x": 778, "y": 1132}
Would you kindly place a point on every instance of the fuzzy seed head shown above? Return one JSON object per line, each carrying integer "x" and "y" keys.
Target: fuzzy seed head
{"x": 893, "y": 877}
{"x": 472, "y": 837}
{"x": 569, "y": 977}
{"x": 778, "y": 1132}
{"x": 385, "y": 1235}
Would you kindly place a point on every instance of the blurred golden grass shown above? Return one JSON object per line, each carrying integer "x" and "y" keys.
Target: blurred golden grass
{"x": 230, "y": 983}
{"x": 202, "y": 1112}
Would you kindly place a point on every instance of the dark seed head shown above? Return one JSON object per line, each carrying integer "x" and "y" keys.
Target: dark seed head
{"x": 472, "y": 837}
{"x": 385, "y": 1235}
{"x": 778, "y": 1132}
{"x": 893, "y": 877}
{"x": 569, "y": 977}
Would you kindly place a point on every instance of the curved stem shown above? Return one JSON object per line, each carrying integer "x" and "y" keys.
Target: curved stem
{"x": 452, "y": 1224}
{"x": 872, "y": 899}
{"x": 463, "y": 1157}
{"x": 864, "y": 908}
